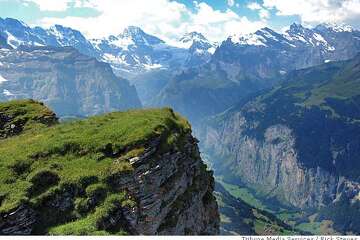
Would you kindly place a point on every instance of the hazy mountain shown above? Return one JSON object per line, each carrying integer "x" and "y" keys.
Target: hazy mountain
{"x": 200, "y": 48}
{"x": 66, "y": 80}
{"x": 147, "y": 61}
{"x": 3, "y": 43}
{"x": 17, "y": 33}
{"x": 244, "y": 64}
{"x": 298, "y": 142}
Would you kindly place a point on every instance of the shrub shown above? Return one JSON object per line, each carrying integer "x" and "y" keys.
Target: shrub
{"x": 96, "y": 191}
{"x": 104, "y": 212}
{"x": 42, "y": 180}
{"x": 20, "y": 167}
{"x": 82, "y": 206}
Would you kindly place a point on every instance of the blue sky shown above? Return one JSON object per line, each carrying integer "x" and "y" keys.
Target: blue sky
{"x": 169, "y": 19}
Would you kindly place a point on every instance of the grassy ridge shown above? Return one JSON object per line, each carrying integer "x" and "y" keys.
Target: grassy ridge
{"x": 82, "y": 157}
{"x": 21, "y": 115}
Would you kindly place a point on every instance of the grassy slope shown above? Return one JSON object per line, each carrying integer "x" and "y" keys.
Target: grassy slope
{"x": 265, "y": 220}
{"x": 238, "y": 216}
{"x": 306, "y": 88}
{"x": 43, "y": 162}
{"x": 23, "y": 115}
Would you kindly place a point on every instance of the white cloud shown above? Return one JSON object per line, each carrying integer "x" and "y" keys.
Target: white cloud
{"x": 254, "y": 6}
{"x": 167, "y": 19}
{"x": 51, "y": 5}
{"x": 263, "y": 12}
{"x": 318, "y": 11}
{"x": 231, "y": 3}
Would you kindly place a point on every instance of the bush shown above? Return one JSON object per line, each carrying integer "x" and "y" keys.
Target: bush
{"x": 82, "y": 206}
{"x": 42, "y": 180}
{"x": 96, "y": 191}
{"x": 20, "y": 167}
{"x": 104, "y": 212}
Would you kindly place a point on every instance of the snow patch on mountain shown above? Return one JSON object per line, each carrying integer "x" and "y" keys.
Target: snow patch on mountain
{"x": 320, "y": 38}
{"x": 249, "y": 39}
{"x": 12, "y": 40}
{"x": 295, "y": 37}
{"x": 339, "y": 27}
{"x": 2, "y": 79}
{"x": 212, "y": 50}
{"x": 268, "y": 35}
{"x": 57, "y": 34}
{"x": 7, "y": 93}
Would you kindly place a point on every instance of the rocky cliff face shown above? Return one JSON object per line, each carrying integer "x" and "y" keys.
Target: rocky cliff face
{"x": 298, "y": 142}
{"x": 151, "y": 186}
{"x": 173, "y": 197}
{"x": 174, "y": 194}
{"x": 273, "y": 167}
{"x": 64, "y": 79}
{"x": 3, "y": 43}
{"x": 244, "y": 64}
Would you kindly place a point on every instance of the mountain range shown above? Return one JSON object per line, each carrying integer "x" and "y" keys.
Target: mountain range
{"x": 221, "y": 74}
{"x": 73, "y": 84}
{"x": 302, "y": 135}
{"x": 244, "y": 64}
{"x": 131, "y": 54}
{"x": 276, "y": 113}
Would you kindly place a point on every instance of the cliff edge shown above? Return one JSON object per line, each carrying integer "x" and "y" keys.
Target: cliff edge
{"x": 134, "y": 172}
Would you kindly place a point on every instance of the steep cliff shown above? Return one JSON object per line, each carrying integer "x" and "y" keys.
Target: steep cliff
{"x": 244, "y": 64}
{"x": 69, "y": 82}
{"x": 134, "y": 172}
{"x": 298, "y": 143}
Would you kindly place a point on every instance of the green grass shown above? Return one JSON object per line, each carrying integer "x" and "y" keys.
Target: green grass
{"x": 93, "y": 223}
{"x": 263, "y": 226}
{"x": 342, "y": 86}
{"x": 312, "y": 227}
{"x": 244, "y": 194}
{"x": 24, "y": 115}
{"x": 82, "y": 156}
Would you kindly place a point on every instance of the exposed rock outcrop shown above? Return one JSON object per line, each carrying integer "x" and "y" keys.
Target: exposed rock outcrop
{"x": 273, "y": 167}
{"x": 154, "y": 185}
{"x": 298, "y": 143}
{"x": 173, "y": 194}
{"x": 245, "y": 64}
{"x": 14, "y": 118}
{"x": 71, "y": 83}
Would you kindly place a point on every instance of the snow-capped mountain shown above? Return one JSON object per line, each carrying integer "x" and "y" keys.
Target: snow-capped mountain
{"x": 189, "y": 39}
{"x": 17, "y": 33}
{"x": 130, "y": 53}
{"x": 200, "y": 48}
{"x": 133, "y": 51}
{"x": 301, "y": 46}
{"x": 72, "y": 83}
{"x": 3, "y": 43}
{"x": 246, "y": 63}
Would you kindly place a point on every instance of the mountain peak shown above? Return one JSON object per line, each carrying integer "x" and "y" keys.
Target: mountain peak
{"x": 266, "y": 29}
{"x": 14, "y": 22}
{"x": 335, "y": 27}
{"x": 132, "y": 31}
{"x": 296, "y": 28}
{"x": 62, "y": 30}
{"x": 138, "y": 36}
{"x": 193, "y": 36}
